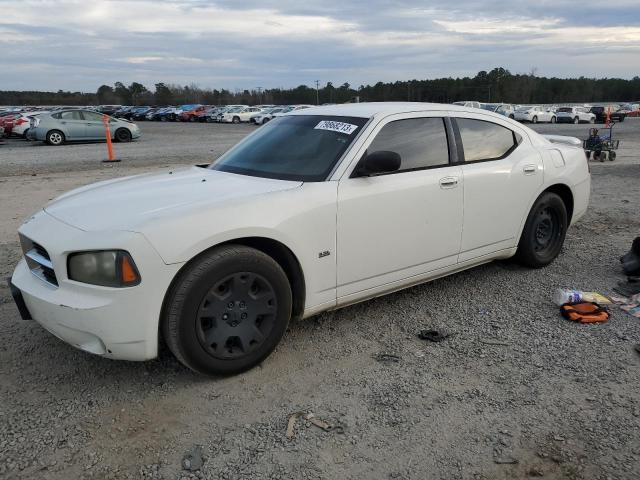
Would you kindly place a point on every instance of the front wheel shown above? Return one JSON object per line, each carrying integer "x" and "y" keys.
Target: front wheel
{"x": 534, "y": 120}
{"x": 227, "y": 310}
{"x": 553, "y": 119}
{"x": 544, "y": 232}
{"x": 576, "y": 120}
{"x": 592, "y": 120}
{"x": 236, "y": 120}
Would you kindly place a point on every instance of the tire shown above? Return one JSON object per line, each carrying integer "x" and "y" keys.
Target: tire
{"x": 210, "y": 302}
{"x": 55, "y": 138}
{"x": 24, "y": 134}
{"x": 544, "y": 232}
{"x": 592, "y": 120}
{"x": 553, "y": 119}
{"x": 512, "y": 116}
{"x": 265, "y": 120}
{"x": 612, "y": 156}
{"x": 576, "y": 120}
{"x": 236, "y": 120}
{"x": 122, "y": 135}
{"x": 534, "y": 120}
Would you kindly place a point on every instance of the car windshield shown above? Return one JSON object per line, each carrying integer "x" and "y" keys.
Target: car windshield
{"x": 296, "y": 147}
{"x": 492, "y": 107}
{"x": 523, "y": 109}
{"x": 234, "y": 110}
{"x": 565, "y": 109}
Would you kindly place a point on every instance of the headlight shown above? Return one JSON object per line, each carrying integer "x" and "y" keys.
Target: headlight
{"x": 108, "y": 268}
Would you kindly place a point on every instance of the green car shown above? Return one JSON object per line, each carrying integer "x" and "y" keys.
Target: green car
{"x": 80, "y": 126}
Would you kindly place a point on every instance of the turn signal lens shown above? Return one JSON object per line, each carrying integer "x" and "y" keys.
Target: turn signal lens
{"x": 128, "y": 273}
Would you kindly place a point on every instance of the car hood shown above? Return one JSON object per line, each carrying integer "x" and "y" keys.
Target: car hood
{"x": 129, "y": 203}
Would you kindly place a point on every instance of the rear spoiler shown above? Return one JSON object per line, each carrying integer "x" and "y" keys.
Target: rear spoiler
{"x": 563, "y": 140}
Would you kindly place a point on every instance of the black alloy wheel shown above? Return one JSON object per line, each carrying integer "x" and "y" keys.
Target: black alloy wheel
{"x": 544, "y": 231}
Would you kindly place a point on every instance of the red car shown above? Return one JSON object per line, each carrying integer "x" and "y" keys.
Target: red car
{"x": 6, "y": 121}
{"x": 191, "y": 115}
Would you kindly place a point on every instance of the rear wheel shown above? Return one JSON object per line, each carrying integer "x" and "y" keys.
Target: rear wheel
{"x": 592, "y": 120}
{"x": 576, "y": 120}
{"x": 236, "y": 120}
{"x": 534, "y": 120}
{"x": 544, "y": 232}
{"x": 227, "y": 311}
{"x": 55, "y": 137}
{"x": 123, "y": 135}
{"x": 553, "y": 119}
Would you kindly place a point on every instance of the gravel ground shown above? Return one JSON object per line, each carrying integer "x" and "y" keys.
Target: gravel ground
{"x": 514, "y": 392}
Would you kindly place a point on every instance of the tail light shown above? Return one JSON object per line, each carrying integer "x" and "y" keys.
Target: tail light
{"x": 20, "y": 121}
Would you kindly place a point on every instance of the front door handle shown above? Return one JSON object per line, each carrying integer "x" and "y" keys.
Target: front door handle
{"x": 529, "y": 169}
{"x": 449, "y": 182}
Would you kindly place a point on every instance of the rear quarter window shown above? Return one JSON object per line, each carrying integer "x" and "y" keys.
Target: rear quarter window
{"x": 484, "y": 140}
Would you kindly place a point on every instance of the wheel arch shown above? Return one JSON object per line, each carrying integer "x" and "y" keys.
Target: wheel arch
{"x": 275, "y": 249}
{"x": 565, "y": 193}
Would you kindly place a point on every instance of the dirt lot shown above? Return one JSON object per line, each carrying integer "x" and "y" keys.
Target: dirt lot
{"x": 515, "y": 392}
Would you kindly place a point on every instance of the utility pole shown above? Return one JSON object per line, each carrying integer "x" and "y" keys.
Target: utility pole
{"x": 259, "y": 95}
{"x": 317, "y": 92}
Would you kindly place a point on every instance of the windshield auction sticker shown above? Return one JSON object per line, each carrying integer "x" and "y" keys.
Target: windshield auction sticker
{"x": 336, "y": 127}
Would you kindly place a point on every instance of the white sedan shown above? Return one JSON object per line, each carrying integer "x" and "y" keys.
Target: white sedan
{"x": 318, "y": 209}
{"x": 535, "y": 114}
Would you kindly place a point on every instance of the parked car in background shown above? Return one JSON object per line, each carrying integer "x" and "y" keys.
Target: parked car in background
{"x": 80, "y": 125}
{"x": 23, "y": 123}
{"x": 534, "y": 114}
{"x": 108, "y": 109}
{"x": 574, "y": 115}
{"x": 138, "y": 113}
{"x": 207, "y": 115}
{"x": 7, "y": 120}
{"x": 290, "y": 108}
{"x": 189, "y": 115}
{"x": 505, "y": 109}
{"x": 280, "y": 227}
{"x": 600, "y": 113}
{"x": 239, "y": 114}
{"x": 468, "y": 103}
{"x": 263, "y": 117}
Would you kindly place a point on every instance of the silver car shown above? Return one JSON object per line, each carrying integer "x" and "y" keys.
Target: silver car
{"x": 80, "y": 126}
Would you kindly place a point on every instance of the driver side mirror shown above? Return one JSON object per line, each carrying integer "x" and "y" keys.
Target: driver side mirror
{"x": 377, "y": 163}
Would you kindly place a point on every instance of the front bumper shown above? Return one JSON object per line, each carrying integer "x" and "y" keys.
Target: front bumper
{"x": 118, "y": 323}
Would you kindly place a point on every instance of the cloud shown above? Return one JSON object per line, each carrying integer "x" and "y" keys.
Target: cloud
{"x": 73, "y": 44}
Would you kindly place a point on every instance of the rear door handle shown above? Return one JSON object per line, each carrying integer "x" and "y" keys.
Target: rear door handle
{"x": 529, "y": 169}
{"x": 449, "y": 182}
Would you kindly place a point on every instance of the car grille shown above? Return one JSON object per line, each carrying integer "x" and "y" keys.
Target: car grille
{"x": 38, "y": 260}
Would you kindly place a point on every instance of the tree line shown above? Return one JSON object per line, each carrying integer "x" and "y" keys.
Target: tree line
{"x": 497, "y": 85}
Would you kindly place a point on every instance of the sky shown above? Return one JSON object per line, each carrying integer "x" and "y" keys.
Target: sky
{"x": 79, "y": 45}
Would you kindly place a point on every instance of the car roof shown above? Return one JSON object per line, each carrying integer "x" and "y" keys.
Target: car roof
{"x": 370, "y": 109}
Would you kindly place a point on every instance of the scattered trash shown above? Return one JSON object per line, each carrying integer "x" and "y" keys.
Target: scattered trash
{"x": 584, "y": 312}
{"x": 433, "y": 335}
{"x": 386, "y": 358}
{"x": 192, "y": 459}
{"x": 562, "y": 296}
{"x": 311, "y": 418}
{"x": 633, "y": 307}
{"x": 505, "y": 460}
{"x": 631, "y": 260}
